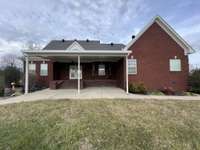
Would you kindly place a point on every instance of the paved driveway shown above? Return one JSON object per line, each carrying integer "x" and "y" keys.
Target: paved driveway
{"x": 89, "y": 93}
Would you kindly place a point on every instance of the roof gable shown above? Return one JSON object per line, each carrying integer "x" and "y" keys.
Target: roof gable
{"x": 169, "y": 30}
{"x": 75, "y": 46}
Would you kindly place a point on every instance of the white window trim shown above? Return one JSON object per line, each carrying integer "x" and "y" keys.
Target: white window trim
{"x": 104, "y": 68}
{"x": 45, "y": 70}
{"x": 135, "y": 72}
{"x": 171, "y": 65}
{"x": 31, "y": 68}
{"x": 76, "y": 67}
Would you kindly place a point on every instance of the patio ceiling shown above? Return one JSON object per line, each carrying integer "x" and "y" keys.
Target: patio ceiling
{"x": 86, "y": 58}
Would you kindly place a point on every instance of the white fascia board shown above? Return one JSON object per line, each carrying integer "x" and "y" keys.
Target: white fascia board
{"x": 174, "y": 35}
{"x": 72, "y": 53}
{"x": 78, "y": 52}
{"x": 169, "y": 30}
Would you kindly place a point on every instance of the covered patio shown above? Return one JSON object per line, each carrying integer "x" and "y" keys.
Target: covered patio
{"x": 94, "y": 71}
{"x": 81, "y": 69}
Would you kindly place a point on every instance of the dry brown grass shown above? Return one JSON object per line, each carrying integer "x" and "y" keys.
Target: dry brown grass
{"x": 101, "y": 124}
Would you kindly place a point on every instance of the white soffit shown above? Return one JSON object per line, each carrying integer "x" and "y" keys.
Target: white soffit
{"x": 169, "y": 30}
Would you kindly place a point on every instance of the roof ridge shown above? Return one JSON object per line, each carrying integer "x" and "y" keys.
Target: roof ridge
{"x": 87, "y": 45}
{"x": 74, "y": 40}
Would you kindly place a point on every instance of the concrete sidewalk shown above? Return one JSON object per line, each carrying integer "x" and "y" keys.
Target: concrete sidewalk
{"x": 89, "y": 93}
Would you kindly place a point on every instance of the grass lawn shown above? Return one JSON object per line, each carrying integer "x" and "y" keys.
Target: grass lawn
{"x": 101, "y": 124}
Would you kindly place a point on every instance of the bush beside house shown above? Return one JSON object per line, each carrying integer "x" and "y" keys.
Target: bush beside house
{"x": 170, "y": 91}
{"x": 35, "y": 85}
{"x": 194, "y": 87}
{"x": 194, "y": 81}
{"x": 137, "y": 88}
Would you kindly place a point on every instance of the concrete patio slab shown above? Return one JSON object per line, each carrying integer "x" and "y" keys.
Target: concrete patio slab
{"x": 89, "y": 93}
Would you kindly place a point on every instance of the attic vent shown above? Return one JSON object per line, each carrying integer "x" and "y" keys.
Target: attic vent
{"x": 87, "y": 40}
{"x": 133, "y": 36}
{"x": 111, "y": 44}
{"x": 63, "y": 40}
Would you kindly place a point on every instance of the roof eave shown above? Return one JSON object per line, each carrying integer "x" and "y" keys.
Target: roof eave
{"x": 66, "y": 53}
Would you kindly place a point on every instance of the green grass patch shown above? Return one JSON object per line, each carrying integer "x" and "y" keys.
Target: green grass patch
{"x": 101, "y": 124}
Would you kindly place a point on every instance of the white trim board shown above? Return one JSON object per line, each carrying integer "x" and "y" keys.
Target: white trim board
{"x": 46, "y": 53}
{"x": 169, "y": 30}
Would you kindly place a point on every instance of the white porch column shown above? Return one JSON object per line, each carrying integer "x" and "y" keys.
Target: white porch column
{"x": 26, "y": 74}
{"x": 79, "y": 74}
{"x": 127, "y": 74}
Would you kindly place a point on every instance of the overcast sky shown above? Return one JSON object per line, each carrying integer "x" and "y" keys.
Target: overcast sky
{"x": 39, "y": 21}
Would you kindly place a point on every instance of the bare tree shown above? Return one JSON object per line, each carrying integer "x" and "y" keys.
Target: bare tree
{"x": 9, "y": 60}
{"x": 16, "y": 59}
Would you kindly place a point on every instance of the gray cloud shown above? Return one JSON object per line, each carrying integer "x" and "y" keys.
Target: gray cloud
{"x": 40, "y": 21}
{"x": 59, "y": 18}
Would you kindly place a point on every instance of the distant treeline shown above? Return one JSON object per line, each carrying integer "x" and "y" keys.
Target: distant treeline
{"x": 2, "y": 82}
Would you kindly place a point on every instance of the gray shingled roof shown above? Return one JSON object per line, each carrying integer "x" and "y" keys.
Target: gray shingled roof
{"x": 87, "y": 45}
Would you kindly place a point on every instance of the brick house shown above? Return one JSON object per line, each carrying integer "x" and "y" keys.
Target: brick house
{"x": 156, "y": 57}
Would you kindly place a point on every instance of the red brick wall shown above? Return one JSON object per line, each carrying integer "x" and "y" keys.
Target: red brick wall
{"x": 120, "y": 73}
{"x": 44, "y": 80}
{"x": 89, "y": 74}
{"x": 60, "y": 71}
{"x": 153, "y": 51}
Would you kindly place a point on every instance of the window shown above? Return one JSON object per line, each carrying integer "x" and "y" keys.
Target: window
{"x": 132, "y": 66}
{"x": 32, "y": 68}
{"x": 101, "y": 70}
{"x": 175, "y": 64}
{"x": 43, "y": 69}
{"x": 73, "y": 72}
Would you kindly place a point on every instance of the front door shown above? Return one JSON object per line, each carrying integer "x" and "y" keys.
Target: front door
{"x": 73, "y": 72}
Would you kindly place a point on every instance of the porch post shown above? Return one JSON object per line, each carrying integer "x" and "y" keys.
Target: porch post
{"x": 26, "y": 74}
{"x": 127, "y": 74}
{"x": 78, "y": 74}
